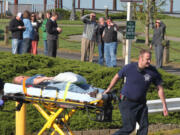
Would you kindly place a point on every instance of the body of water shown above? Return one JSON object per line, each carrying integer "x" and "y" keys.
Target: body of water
{"x": 99, "y": 4}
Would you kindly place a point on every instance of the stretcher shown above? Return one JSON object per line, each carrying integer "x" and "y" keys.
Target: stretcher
{"x": 57, "y": 111}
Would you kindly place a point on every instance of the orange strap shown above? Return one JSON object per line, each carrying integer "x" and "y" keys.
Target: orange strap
{"x": 24, "y": 86}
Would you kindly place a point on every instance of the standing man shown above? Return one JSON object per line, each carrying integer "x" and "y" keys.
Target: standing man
{"x": 88, "y": 37}
{"x": 16, "y": 26}
{"x": 100, "y": 42}
{"x": 132, "y": 103}
{"x": 158, "y": 37}
{"x": 44, "y": 34}
{"x": 52, "y": 34}
{"x": 110, "y": 43}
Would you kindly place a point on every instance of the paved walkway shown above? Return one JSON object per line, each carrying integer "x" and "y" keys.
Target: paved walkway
{"x": 120, "y": 23}
{"x": 76, "y": 56}
{"x": 177, "y": 39}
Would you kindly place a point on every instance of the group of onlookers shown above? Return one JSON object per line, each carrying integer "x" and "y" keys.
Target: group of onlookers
{"x": 24, "y": 28}
{"x": 104, "y": 33}
{"x": 25, "y": 33}
{"x": 25, "y": 37}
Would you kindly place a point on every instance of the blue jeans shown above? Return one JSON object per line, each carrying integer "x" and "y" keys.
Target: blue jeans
{"x": 26, "y": 45}
{"x": 101, "y": 53}
{"x": 45, "y": 48}
{"x": 110, "y": 50}
{"x": 16, "y": 46}
{"x": 133, "y": 112}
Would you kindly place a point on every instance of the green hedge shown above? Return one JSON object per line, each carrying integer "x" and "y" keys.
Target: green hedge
{"x": 96, "y": 75}
{"x": 65, "y": 14}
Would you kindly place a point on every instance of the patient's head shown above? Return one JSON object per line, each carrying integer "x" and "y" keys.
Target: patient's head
{"x": 18, "y": 79}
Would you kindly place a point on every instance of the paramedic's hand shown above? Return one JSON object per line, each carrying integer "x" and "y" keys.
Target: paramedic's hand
{"x": 106, "y": 91}
{"x": 165, "y": 111}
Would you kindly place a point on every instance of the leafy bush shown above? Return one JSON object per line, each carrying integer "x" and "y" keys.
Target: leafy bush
{"x": 96, "y": 75}
{"x": 63, "y": 14}
{"x": 121, "y": 15}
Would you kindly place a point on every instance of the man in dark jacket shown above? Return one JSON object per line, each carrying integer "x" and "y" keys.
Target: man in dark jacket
{"x": 16, "y": 26}
{"x": 52, "y": 34}
{"x": 110, "y": 43}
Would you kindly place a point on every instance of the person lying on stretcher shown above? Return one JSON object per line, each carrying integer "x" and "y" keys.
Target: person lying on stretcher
{"x": 75, "y": 87}
{"x": 36, "y": 79}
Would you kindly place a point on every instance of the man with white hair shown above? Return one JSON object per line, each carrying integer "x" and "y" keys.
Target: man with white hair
{"x": 88, "y": 37}
{"x": 16, "y": 26}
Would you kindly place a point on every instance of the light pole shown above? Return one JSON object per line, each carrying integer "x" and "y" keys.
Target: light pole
{"x": 128, "y": 41}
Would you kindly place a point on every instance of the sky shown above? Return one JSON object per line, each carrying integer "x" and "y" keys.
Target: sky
{"x": 100, "y": 4}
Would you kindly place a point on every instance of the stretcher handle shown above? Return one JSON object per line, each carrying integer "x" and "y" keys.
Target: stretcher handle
{"x": 18, "y": 108}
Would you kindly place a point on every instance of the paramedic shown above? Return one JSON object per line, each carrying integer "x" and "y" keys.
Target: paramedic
{"x": 132, "y": 103}
{"x": 36, "y": 79}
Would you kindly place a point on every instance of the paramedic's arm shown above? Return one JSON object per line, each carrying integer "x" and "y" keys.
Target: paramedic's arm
{"x": 38, "y": 80}
{"x": 113, "y": 82}
{"x": 162, "y": 97}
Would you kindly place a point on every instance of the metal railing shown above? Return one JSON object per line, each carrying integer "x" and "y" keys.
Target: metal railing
{"x": 155, "y": 106}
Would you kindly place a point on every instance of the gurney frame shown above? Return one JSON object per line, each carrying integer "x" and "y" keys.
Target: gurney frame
{"x": 52, "y": 109}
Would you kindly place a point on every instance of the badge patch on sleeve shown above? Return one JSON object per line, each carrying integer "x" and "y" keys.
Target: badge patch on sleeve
{"x": 147, "y": 77}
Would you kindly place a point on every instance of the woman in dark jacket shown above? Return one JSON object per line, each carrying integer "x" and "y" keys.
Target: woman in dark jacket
{"x": 35, "y": 34}
{"x": 158, "y": 36}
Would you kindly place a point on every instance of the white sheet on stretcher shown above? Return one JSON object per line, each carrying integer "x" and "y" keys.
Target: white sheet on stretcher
{"x": 10, "y": 88}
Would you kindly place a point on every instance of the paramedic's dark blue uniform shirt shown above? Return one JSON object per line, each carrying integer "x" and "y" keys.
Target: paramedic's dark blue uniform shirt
{"x": 138, "y": 82}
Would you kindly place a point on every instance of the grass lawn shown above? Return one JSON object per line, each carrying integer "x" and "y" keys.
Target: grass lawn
{"x": 167, "y": 132}
{"x": 172, "y": 30}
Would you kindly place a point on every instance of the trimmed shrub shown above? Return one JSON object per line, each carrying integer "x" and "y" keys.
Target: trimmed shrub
{"x": 96, "y": 75}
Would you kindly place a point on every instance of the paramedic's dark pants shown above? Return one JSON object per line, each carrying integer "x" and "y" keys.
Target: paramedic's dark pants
{"x": 132, "y": 112}
{"x": 52, "y": 47}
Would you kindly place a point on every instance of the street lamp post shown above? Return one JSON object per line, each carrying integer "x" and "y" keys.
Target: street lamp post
{"x": 128, "y": 41}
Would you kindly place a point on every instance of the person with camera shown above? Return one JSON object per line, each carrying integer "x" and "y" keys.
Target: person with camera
{"x": 158, "y": 37}
{"x": 132, "y": 100}
{"x": 88, "y": 37}
{"x": 110, "y": 43}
